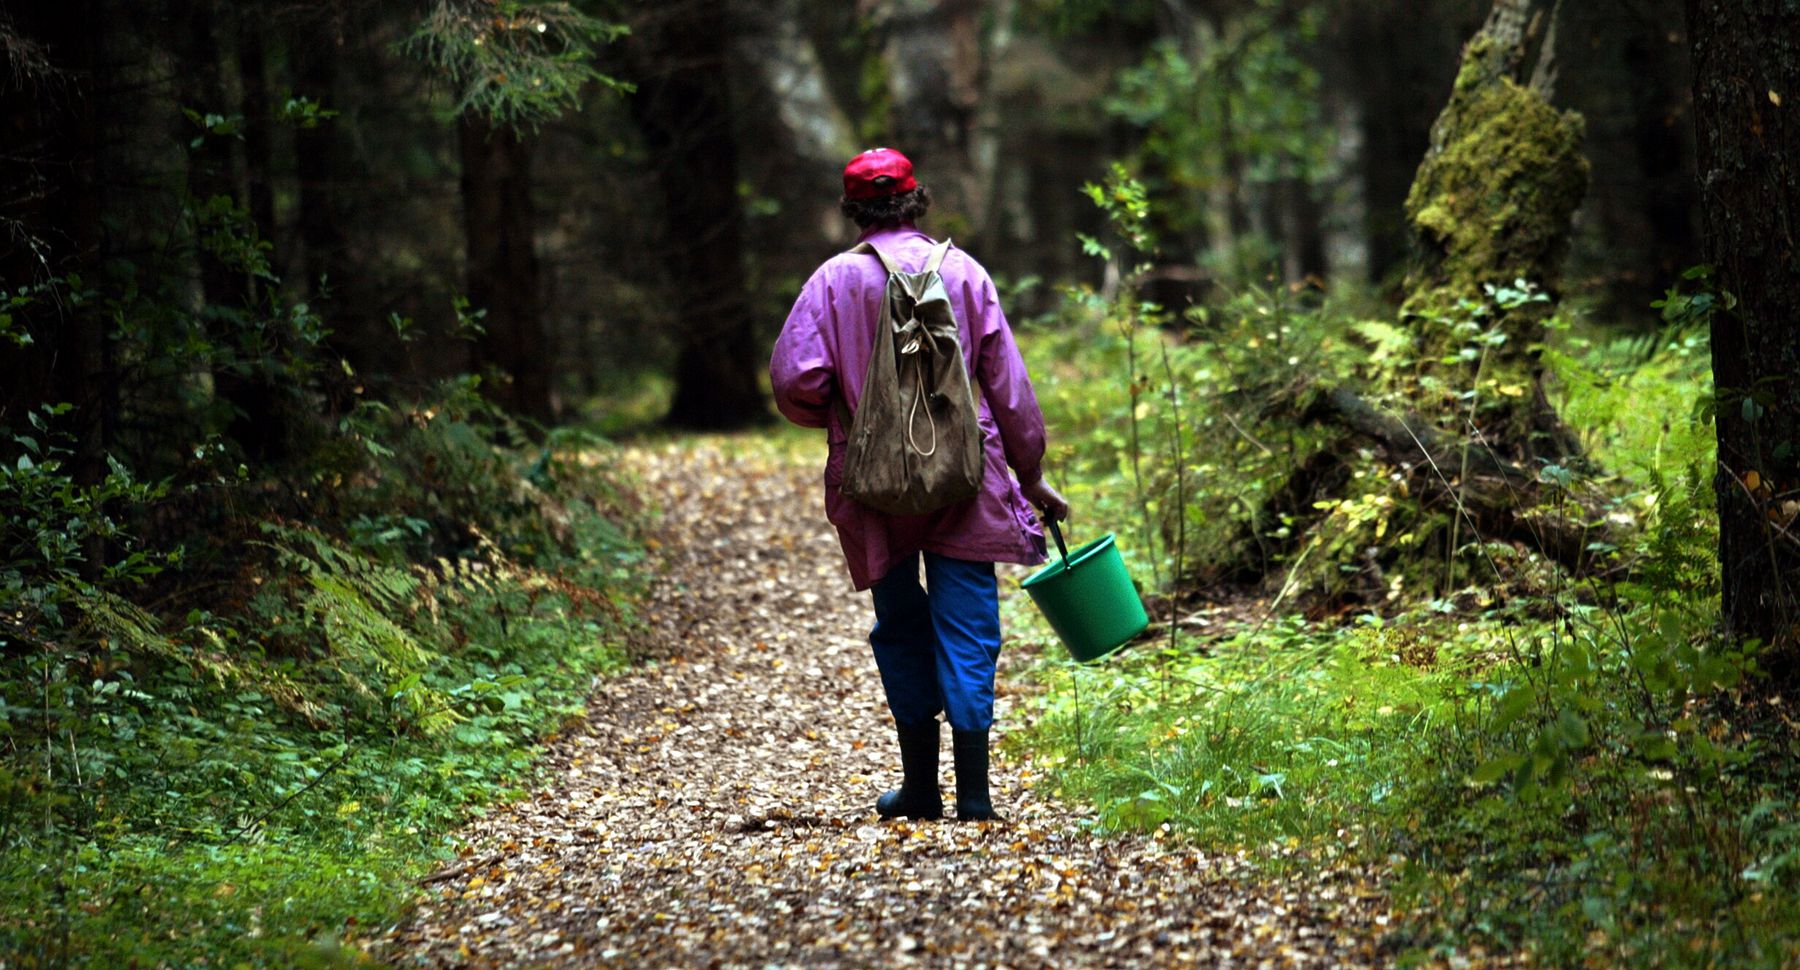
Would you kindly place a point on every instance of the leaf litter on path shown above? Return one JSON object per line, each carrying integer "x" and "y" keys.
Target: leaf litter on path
{"x": 716, "y": 807}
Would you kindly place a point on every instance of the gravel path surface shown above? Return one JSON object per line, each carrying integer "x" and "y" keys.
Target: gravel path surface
{"x": 716, "y": 808}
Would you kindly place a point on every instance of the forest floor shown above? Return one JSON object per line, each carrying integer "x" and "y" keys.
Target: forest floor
{"x": 715, "y": 808}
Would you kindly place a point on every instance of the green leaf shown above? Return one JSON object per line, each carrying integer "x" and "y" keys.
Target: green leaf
{"x": 1495, "y": 769}
{"x": 1513, "y": 706}
{"x": 1654, "y": 746}
{"x": 1573, "y": 727}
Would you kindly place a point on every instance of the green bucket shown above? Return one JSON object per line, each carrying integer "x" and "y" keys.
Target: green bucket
{"x": 1088, "y": 598}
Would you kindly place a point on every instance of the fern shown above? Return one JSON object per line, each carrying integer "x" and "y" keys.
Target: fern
{"x": 380, "y": 625}
{"x": 356, "y": 629}
{"x": 116, "y": 622}
{"x": 120, "y": 625}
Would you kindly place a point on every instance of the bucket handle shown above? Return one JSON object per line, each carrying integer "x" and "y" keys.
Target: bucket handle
{"x": 1061, "y": 546}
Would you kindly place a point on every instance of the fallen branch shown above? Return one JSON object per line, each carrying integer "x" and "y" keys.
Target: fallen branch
{"x": 1499, "y": 498}
{"x": 462, "y": 869}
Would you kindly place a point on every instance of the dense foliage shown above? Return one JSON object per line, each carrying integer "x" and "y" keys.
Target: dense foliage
{"x": 264, "y": 774}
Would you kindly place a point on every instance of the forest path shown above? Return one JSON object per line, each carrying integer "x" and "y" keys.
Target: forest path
{"x": 716, "y": 809}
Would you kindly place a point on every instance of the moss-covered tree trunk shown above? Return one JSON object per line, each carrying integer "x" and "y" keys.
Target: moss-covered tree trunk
{"x": 1459, "y": 433}
{"x": 1490, "y": 206}
{"x": 1746, "y": 93}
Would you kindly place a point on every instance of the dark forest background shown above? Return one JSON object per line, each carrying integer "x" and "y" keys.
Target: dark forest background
{"x": 662, "y": 231}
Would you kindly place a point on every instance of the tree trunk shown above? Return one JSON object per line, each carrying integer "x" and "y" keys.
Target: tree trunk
{"x": 1229, "y": 183}
{"x": 259, "y": 158}
{"x": 244, "y": 370}
{"x": 321, "y": 172}
{"x": 1491, "y": 204}
{"x": 53, "y": 223}
{"x": 1301, "y": 219}
{"x": 1746, "y": 91}
{"x": 1639, "y": 227}
{"x": 683, "y": 107}
{"x": 500, "y": 225}
{"x": 937, "y": 78}
{"x": 1393, "y": 58}
{"x": 784, "y": 104}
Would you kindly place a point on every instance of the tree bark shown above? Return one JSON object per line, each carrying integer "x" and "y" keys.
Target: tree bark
{"x": 1746, "y": 92}
{"x": 1301, "y": 219}
{"x": 321, "y": 171}
{"x": 500, "y": 226}
{"x": 683, "y": 108}
{"x": 1395, "y": 59}
{"x": 259, "y": 160}
{"x": 1639, "y": 227}
{"x": 934, "y": 56}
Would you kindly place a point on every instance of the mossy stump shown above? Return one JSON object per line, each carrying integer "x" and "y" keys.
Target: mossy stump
{"x": 1491, "y": 204}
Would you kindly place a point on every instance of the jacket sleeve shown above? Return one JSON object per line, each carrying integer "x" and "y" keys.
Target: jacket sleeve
{"x": 800, "y": 370}
{"x": 1000, "y": 371}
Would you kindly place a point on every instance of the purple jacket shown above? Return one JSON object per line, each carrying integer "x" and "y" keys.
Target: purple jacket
{"x": 824, "y": 349}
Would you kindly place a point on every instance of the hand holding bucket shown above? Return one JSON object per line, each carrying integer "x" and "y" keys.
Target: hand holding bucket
{"x": 1088, "y": 597}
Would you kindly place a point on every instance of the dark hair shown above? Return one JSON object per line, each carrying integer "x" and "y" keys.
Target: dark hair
{"x": 888, "y": 210}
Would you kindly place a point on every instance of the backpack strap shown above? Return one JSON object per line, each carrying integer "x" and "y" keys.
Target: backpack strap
{"x": 932, "y": 261}
{"x": 936, "y": 259}
{"x": 886, "y": 262}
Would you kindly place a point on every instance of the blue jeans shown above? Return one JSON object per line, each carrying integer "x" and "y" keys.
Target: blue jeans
{"x": 937, "y": 650}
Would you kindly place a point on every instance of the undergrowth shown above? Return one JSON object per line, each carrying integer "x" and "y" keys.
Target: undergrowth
{"x": 1574, "y": 766}
{"x": 242, "y": 753}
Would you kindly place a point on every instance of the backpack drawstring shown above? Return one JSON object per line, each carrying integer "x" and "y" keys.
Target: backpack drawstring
{"x": 911, "y": 348}
{"x": 918, "y": 389}
{"x": 918, "y": 396}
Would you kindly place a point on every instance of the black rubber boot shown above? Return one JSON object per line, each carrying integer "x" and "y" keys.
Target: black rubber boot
{"x": 971, "y": 751}
{"x": 918, "y": 796}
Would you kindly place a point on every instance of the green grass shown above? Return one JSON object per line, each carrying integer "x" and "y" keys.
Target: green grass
{"x": 286, "y": 904}
{"x": 1369, "y": 740}
{"x": 1284, "y": 731}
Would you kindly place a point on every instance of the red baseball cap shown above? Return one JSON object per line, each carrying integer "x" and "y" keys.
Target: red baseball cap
{"x": 878, "y": 172}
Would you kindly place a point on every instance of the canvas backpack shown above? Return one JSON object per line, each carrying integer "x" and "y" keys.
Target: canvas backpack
{"x": 915, "y": 445}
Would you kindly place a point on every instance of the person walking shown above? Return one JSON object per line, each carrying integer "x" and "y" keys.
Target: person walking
{"x": 935, "y": 645}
